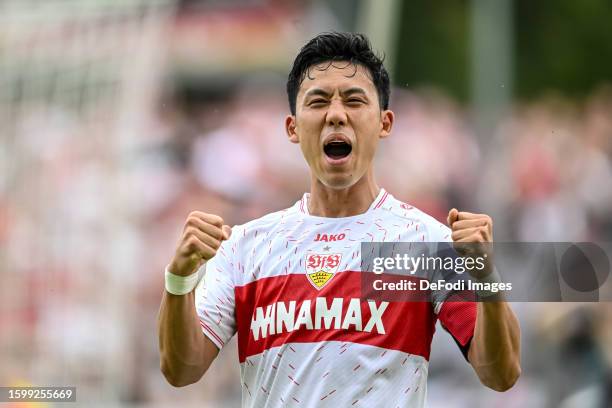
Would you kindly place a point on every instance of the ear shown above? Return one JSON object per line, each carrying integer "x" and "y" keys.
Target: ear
{"x": 290, "y": 128}
{"x": 386, "y": 119}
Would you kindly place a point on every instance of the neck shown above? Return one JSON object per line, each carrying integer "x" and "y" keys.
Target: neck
{"x": 345, "y": 202}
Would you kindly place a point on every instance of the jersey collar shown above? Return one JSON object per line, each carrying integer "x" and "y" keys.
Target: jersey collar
{"x": 377, "y": 203}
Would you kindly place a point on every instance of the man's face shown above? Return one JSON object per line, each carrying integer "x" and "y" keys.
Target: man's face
{"x": 338, "y": 122}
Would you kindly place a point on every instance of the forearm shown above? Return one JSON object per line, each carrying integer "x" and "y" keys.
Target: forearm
{"x": 495, "y": 349}
{"x": 182, "y": 348}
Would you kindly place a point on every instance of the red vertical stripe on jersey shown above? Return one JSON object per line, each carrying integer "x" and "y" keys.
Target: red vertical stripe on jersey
{"x": 211, "y": 332}
{"x": 382, "y": 200}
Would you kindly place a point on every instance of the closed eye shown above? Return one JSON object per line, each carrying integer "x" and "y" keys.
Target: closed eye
{"x": 355, "y": 101}
{"x": 317, "y": 102}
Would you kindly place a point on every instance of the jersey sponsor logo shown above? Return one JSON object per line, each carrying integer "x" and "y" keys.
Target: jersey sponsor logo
{"x": 282, "y": 317}
{"x": 320, "y": 268}
{"x": 329, "y": 237}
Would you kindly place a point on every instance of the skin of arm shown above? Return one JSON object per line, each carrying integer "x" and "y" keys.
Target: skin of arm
{"x": 185, "y": 352}
{"x": 495, "y": 351}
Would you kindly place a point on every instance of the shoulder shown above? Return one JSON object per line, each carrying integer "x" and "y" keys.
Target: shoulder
{"x": 265, "y": 224}
{"x": 269, "y": 220}
{"x": 399, "y": 210}
{"x": 246, "y": 236}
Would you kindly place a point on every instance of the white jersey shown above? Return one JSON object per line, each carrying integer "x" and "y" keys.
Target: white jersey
{"x": 289, "y": 285}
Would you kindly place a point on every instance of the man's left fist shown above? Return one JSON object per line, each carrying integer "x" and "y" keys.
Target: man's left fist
{"x": 469, "y": 227}
{"x": 473, "y": 237}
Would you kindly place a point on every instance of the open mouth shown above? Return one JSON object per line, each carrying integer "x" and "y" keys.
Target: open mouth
{"x": 337, "y": 149}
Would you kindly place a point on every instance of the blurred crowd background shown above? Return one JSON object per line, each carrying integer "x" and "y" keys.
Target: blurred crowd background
{"x": 118, "y": 118}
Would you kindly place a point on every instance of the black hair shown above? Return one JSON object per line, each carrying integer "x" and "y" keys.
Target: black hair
{"x": 335, "y": 46}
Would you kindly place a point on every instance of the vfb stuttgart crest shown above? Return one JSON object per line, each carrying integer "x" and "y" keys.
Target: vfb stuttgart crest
{"x": 320, "y": 268}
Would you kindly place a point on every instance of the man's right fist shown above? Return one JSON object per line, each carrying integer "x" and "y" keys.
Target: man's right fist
{"x": 202, "y": 236}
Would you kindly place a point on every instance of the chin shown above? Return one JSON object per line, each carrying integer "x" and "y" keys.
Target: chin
{"x": 338, "y": 182}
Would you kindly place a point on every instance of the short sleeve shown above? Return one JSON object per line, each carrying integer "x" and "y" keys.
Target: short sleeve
{"x": 457, "y": 316}
{"x": 215, "y": 300}
{"x": 459, "y": 320}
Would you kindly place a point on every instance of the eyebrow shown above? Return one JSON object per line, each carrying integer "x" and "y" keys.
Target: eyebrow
{"x": 317, "y": 91}
{"x": 345, "y": 93}
{"x": 353, "y": 90}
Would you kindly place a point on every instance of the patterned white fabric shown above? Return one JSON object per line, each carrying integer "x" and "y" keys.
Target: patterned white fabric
{"x": 289, "y": 285}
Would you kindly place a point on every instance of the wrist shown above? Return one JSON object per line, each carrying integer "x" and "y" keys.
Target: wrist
{"x": 182, "y": 267}
{"x": 490, "y": 281}
{"x": 182, "y": 285}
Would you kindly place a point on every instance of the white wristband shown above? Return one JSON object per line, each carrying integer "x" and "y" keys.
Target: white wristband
{"x": 181, "y": 285}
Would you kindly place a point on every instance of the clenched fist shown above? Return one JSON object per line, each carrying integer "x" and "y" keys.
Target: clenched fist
{"x": 472, "y": 236}
{"x": 202, "y": 236}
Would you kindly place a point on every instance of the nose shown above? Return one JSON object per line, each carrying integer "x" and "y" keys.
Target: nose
{"x": 336, "y": 115}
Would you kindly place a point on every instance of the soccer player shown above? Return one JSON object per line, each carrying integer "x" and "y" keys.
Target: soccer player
{"x": 288, "y": 284}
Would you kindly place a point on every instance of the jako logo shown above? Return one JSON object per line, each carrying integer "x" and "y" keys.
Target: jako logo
{"x": 329, "y": 237}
